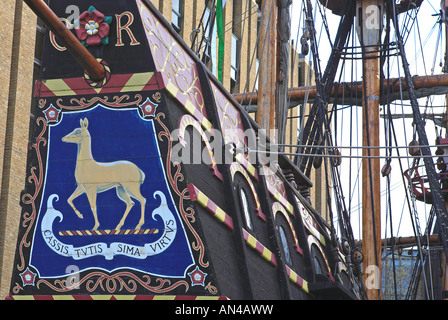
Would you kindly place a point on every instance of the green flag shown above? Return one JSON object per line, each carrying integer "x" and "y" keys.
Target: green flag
{"x": 220, "y": 27}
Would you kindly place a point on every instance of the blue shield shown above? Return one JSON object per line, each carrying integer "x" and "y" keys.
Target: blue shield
{"x": 124, "y": 174}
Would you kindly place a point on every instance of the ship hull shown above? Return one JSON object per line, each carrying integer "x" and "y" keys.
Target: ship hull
{"x": 204, "y": 218}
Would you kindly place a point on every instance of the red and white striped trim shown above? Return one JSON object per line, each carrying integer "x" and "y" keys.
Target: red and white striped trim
{"x": 107, "y": 232}
{"x": 260, "y": 248}
{"x": 199, "y": 197}
{"x": 137, "y": 82}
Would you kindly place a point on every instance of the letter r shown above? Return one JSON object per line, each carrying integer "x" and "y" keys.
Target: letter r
{"x": 125, "y": 27}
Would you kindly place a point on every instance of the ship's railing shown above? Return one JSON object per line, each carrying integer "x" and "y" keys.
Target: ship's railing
{"x": 420, "y": 184}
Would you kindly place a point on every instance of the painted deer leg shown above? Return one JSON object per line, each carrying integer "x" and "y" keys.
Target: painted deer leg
{"x": 134, "y": 191}
{"x": 75, "y": 194}
{"x": 129, "y": 204}
{"x": 142, "y": 218}
{"x": 91, "y": 195}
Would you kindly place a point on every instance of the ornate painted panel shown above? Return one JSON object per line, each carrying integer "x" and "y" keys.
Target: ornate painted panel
{"x": 106, "y": 200}
{"x": 105, "y": 210}
{"x": 177, "y": 68}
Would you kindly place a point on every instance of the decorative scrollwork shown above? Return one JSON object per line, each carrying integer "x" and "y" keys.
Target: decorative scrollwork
{"x": 116, "y": 102}
{"x": 115, "y": 283}
{"x": 36, "y": 178}
{"x": 174, "y": 179}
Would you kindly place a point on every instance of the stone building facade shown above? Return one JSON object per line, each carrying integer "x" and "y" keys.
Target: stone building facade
{"x": 18, "y": 29}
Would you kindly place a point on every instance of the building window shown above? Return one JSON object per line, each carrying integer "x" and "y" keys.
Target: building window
{"x": 246, "y": 208}
{"x": 208, "y": 28}
{"x": 176, "y": 15}
{"x": 234, "y": 62}
{"x": 285, "y": 246}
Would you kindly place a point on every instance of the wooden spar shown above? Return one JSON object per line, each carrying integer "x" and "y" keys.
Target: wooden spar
{"x": 267, "y": 72}
{"x": 407, "y": 241}
{"x": 347, "y": 89}
{"x": 371, "y": 186}
{"x": 74, "y": 46}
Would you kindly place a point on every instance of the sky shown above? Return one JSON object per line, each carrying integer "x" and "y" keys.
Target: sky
{"x": 420, "y": 49}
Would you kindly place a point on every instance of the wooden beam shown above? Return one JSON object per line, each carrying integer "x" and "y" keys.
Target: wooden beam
{"x": 408, "y": 241}
{"x": 68, "y": 39}
{"x": 371, "y": 183}
{"x": 267, "y": 72}
{"x": 350, "y": 89}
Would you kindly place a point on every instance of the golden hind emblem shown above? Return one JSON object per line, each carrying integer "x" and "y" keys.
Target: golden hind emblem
{"x": 94, "y": 177}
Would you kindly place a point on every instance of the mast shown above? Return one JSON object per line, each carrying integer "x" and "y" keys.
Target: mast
{"x": 369, "y": 31}
{"x": 268, "y": 65}
{"x": 284, "y": 33}
{"x": 273, "y": 45}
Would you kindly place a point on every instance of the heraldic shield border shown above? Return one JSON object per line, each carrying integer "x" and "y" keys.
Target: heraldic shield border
{"x": 61, "y": 253}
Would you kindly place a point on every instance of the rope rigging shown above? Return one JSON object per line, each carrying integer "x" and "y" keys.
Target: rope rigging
{"x": 312, "y": 143}
{"x": 323, "y": 126}
{"x": 317, "y": 132}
